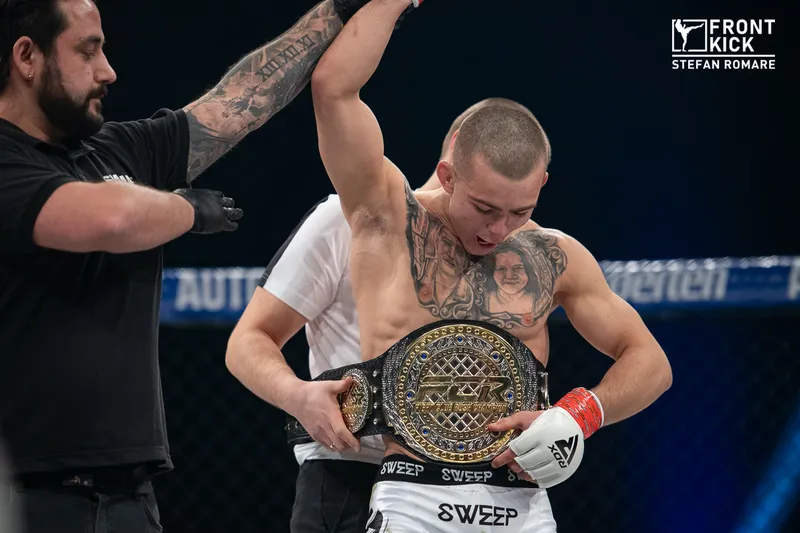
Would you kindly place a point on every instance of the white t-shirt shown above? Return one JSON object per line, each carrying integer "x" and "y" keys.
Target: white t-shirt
{"x": 311, "y": 274}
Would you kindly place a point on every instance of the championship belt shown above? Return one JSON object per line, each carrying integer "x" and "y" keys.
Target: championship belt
{"x": 437, "y": 389}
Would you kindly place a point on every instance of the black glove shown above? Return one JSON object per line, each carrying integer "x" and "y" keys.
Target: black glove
{"x": 402, "y": 17}
{"x": 347, "y": 8}
{"x": 213, "y": 212}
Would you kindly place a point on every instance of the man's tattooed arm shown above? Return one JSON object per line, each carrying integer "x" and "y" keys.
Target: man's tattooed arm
{"x": 257, "y": 87}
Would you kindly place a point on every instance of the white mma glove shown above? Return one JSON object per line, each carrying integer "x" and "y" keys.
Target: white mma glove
{"x": 551, "y": 448}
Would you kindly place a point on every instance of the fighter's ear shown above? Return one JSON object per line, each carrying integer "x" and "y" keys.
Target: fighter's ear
{"x": 444, "y": 171}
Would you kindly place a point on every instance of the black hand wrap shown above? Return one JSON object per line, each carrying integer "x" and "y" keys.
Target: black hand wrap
{"x": 213, "y": 212}
{"x": 402, "y": 16}
{"x": 347, "y": 8}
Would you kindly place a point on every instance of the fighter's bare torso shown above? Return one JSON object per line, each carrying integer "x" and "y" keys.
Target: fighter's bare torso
{"x": 405, "y": 280}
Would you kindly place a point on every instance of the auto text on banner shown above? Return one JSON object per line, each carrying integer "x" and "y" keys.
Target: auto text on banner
{"x": 207, "y": 295}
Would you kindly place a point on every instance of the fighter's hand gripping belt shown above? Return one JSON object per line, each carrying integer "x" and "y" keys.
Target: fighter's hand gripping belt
{"x": 551, "y": 449}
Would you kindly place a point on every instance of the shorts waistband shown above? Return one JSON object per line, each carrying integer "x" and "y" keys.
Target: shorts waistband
{"x": 399, "y": 467}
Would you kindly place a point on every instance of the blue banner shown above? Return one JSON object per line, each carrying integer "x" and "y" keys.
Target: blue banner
{"x": 701, "y": 283}
{"x": 207, "y": 295}
{"x": 219, "y": 295}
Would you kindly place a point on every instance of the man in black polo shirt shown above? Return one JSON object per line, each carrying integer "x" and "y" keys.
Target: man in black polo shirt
{"x": 86, "y": 207}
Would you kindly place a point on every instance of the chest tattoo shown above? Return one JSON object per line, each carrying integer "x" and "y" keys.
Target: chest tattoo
{"x": 513, "y": 286}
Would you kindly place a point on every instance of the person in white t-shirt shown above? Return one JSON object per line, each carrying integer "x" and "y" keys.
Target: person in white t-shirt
{"x": 307, "y": 283}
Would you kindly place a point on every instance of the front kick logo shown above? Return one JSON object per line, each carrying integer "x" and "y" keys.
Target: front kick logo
{"x": 723, "y": 44}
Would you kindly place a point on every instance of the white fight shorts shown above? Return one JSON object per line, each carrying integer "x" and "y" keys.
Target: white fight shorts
{"x": 410, "y": 496}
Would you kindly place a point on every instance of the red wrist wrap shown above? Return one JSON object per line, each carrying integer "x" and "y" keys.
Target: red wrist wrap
{"x": 583, "y": 407}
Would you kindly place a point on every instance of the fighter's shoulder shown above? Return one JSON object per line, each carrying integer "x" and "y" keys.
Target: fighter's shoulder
{"x": 555, "y": 237}
{"x": 575, "y": 253}
{"x": 580, "y": 266}
{"x": 382, "y": 210}
{"x": 417, "y": 204}
{"x": 424, "y": 198}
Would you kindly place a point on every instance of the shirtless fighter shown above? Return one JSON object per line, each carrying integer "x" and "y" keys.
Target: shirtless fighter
{"x": 307, "y": 285}
{"x": 460, "y": 277}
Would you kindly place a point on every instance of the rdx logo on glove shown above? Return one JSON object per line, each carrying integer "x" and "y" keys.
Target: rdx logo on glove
{"x": 564, "y": 450}
{"x": 551, "y": 449}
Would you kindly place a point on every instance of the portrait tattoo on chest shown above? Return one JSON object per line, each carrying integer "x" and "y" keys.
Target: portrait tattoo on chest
{"x": 513, "y": 286}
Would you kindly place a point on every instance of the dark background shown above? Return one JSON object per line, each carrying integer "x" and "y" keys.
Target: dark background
{"x": 648, "y": 163}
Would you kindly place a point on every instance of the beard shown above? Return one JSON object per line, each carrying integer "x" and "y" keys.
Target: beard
{"x": 68, "y": 115}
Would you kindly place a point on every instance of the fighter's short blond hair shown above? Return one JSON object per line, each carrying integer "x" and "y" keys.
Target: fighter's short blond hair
{"x": 488, "y": 102}
{"x": 511, "y": 141}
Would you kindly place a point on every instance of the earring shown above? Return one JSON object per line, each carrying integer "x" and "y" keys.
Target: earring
{"x": 30, "y": 76}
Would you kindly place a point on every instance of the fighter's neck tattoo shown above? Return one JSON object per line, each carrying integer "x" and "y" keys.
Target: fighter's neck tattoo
{"x": 511, "y": 287}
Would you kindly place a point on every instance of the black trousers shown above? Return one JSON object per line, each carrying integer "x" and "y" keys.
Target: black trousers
{"x": 332, "y": 496}
{"x": 48, "y": 507}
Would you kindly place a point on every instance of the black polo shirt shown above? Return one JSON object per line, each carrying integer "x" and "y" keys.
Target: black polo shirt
{"x": 79, "y": 376}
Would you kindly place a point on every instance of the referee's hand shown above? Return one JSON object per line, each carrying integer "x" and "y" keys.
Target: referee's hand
{"x": 213, "y": 212}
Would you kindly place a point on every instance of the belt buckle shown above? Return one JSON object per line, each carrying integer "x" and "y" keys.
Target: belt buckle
{"x": 544, "y": 392}
{"x": 447, "y": 385}
{"x": 355, "y": 402}
{"x": 78, "y": 480}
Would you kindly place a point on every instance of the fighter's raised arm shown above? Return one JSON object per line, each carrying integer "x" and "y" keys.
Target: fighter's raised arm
{"x": 350, "y": 139}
